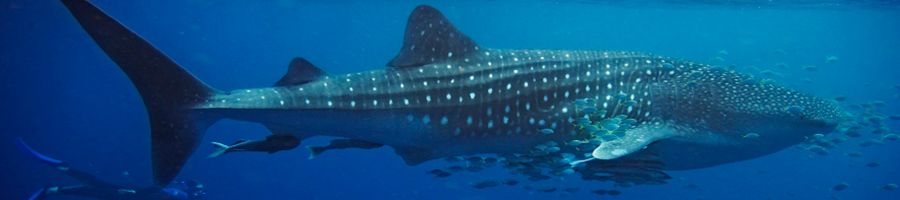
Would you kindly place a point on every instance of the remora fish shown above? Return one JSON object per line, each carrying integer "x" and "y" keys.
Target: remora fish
{"x": 443, "y": 95}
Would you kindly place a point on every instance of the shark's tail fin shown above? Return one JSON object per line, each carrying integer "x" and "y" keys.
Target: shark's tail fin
{"x": 220, "y": 149}
{"x": 168, "y": 91}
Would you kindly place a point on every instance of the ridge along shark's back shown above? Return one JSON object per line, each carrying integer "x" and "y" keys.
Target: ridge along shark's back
{"x": 443, "y": 95}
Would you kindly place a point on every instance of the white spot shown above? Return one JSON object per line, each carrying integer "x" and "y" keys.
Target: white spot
{"x": 330, "y": 104}
{"x": 426, "y": 119}
{"x": 505, "y": 120}
{"x": 444, "y": 120}
{"x": 351, "y": 89}
{"x": 565, "y": 110}
{"x": 428, "y": 98}
{"x": 472, "y": 95}
{"x": 374, "y": 102}
{"x": 306, "y": 101}
{"x": 525, "y": 84}
{"x": 281, "y": 102}
{"x": 490, "y": 90}
{"x": 425, "y": 83}
{"x": 469, "y": 120}
{"x": 406, "y": 101}
{"x": 353, "y": 103}
{"x": 449, "y": 96}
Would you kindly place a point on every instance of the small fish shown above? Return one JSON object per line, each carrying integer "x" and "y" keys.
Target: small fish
{"x": 818, "y": 150}
{"x": 819, "y": 136}
{"x": 581, "y": 102}
{"x": 751, "y": 136}
{"x": 840, "y": 98}
{"x": 547, "y": 189}
{"x": 439, "y": 173}
{"x": 589, "y": 110}
{"x": 810, "y": 68}
{"x": 572, "y": 189}
{"x": 582, "y": 121}
{"x": 873, "y": 164}
{"x": 591, "y": 129}
{"x": 890, "y": 137}
{"x": 854, "y": 154}
{"x": 631, "y": 103}
{"x": 485, "y": 184}
{"x": 613, "y": 192}
{"x": 546, "y": 131}
{"x": 567, "y": 171}
{"x": 831, "y": 59}
{"x": 723, "y": 52}
{"x": 552, "y": 149}
{"x": 889, "y": 186}
{"x": 894, "y": 117}
{"x": 621, "y": 95}
{"x": 840, "y": 186}
{"x": 510, "y": 182}
{"x": 576, "y": 142}
{"x": 610, "y": 126}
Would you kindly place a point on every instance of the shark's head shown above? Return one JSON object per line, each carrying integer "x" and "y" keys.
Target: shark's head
{"x": 726, "y": 117}
{"x": 735, "y": 106}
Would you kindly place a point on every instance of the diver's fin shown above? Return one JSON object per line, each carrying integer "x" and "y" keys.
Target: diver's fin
{"x": 634, "y": 140}
{"x": 220, "y": 149}
{"x": 430, "y": 38}
{"x": 299, "y": 72}
{"x": 168, "y": 91}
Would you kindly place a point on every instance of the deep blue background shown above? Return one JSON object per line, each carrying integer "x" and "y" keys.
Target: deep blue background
{"x": 65, "y": 97}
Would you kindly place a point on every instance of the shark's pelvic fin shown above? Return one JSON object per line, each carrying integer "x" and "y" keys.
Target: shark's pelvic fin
{"x": 431, "y": 38}
{"x": 168, "y": 91}
{"x": 299, "y": 72}
{"x": 634, "y": 140}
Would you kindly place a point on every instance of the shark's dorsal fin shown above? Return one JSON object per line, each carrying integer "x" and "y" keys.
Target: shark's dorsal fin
{"x": 299, "y": 72}
{"x": 431, "y": 38}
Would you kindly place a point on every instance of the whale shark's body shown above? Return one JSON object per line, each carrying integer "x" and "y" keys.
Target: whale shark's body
{"x": 443, "y": 95}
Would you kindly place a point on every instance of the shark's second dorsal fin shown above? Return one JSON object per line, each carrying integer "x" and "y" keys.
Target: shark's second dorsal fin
{"x": 431, "y": 38}
{"x": 299, "y": 72}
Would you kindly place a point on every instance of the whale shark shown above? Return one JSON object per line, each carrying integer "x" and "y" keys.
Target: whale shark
{"x": 444, "y": 95}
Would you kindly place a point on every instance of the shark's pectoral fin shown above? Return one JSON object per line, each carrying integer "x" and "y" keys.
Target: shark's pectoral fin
{"x": 299, "y": 72}
{"x": 342, "y": 144}
{"x": 430, "y": 38}
{"x": 634, "y": 140}
{"x": 414, "y": 156}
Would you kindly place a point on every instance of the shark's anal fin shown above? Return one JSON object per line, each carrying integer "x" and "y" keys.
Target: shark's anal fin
{"x": 634, "y": 140}
{"x": 414, "y": 156}
{"x": 431, "y": 38}
{"x": 299, "y": 72}
{"x": 167, "y": 90}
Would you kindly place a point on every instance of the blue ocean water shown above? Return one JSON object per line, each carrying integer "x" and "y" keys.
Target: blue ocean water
{"x": 66, "y": 98}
